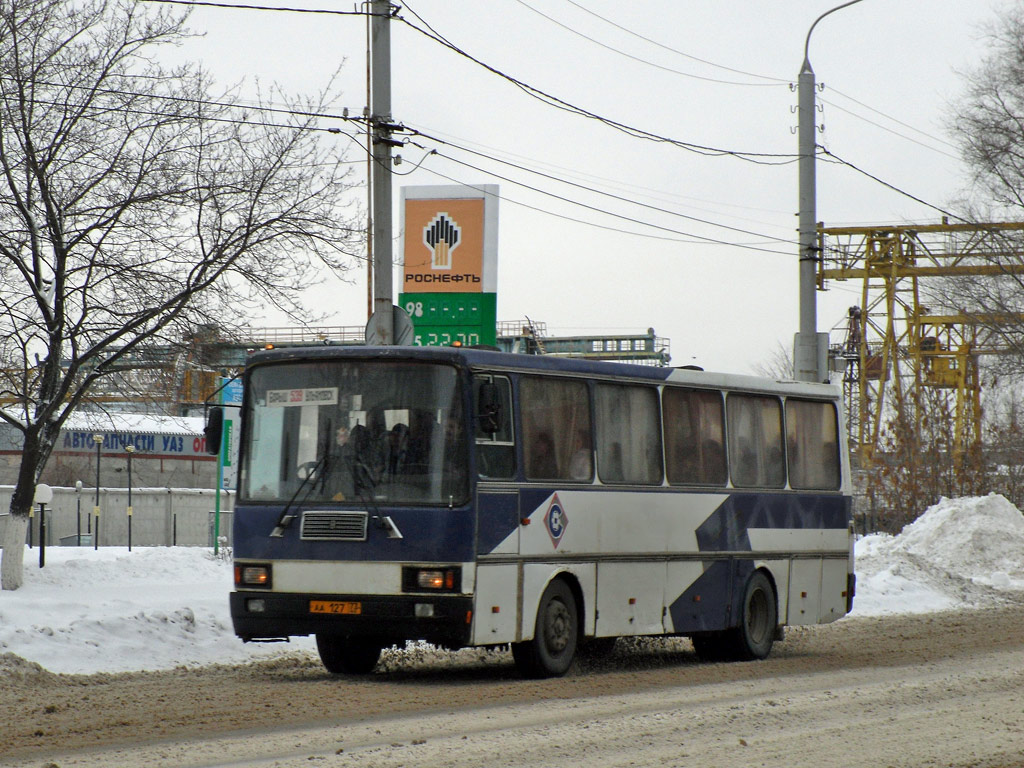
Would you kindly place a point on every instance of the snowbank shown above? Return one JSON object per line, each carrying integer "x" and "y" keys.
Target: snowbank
{"x": 960, "y": 553}
{"x": 160, "y": 607}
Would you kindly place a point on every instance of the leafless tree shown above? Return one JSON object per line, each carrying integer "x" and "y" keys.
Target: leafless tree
{"x": 988, "y": 123}
{"x": 134, "y": 206}
{"x": 778, "y": 364}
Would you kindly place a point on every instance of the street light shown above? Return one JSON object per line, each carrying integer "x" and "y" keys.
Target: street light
{"x": 98, "y": 439}
{"x": 808, "y": 363}
{"x": 130, "y": 449}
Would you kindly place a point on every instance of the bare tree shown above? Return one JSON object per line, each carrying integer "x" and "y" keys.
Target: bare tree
{"x": 988, "y": 123}
{"x": 778, "y": 364}
{"x": 134, "y": 206}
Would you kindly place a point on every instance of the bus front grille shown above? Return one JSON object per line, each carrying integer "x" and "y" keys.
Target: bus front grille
{"x": 335, "y": 526}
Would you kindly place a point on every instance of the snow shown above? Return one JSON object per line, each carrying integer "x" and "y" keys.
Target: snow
{"x": 112, "y": 610}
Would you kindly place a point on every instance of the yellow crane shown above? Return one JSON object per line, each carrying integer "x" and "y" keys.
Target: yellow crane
{"x": 898, "y": 357}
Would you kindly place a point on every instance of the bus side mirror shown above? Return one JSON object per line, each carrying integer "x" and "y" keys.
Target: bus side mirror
{"x": 488, "y": 408}
{"x": 214, "y": 430}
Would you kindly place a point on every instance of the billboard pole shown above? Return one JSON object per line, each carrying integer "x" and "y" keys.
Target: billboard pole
{"x": 380, "y": 126}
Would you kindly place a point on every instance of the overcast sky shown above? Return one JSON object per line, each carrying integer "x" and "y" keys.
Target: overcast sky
{"x": 703, "y": 72}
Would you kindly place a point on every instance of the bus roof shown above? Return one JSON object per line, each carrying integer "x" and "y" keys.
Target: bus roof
{"x": 477, "y": 358}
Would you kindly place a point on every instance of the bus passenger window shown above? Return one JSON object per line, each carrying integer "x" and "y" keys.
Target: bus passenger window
{"x": 492, "y": 408}
{"x": 555, "y": 412}
{"x": 755, "y": 441}
{"x": 811, "y": 439}
{"x": 694, "y": 437}
{"x": 628, "y": 434}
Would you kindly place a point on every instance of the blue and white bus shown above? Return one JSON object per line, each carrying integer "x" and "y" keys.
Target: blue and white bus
{"x": 468, "y": 497}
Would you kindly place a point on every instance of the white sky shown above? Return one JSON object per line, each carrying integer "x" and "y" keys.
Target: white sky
{"x": 113, "y": 610}
{"x": 723, "y": 307}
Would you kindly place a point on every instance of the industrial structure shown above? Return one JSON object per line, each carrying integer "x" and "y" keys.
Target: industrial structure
{"x": 185, "y": 376}
{"x": 899, "y": 355}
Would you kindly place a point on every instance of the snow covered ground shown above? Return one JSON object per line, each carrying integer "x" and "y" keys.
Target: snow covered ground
{"x": 158, "y": 608}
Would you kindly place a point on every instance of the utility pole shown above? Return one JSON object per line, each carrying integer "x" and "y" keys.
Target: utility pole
{"x": 810, "y": 351}
{"x": 805, "y": 347}
{"x": 380, "y": 128}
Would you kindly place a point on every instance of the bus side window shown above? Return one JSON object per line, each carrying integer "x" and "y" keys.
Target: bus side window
{"x": 492, "y": 409}
{"x": 555, "y": 412}
{"x": 755, "y": 441}
{"x": 813, "y": 447}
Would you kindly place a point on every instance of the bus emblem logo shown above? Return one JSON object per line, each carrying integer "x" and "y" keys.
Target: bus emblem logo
{"x": 556, "y": 521}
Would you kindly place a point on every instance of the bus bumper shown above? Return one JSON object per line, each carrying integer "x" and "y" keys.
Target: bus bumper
{"x": 444, "y": 620}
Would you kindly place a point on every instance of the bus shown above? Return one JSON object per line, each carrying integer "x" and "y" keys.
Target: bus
{"x": 470, "y": 497}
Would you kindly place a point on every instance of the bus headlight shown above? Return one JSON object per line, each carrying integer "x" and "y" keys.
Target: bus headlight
{"x": 252, "y": 576}
{"x": 431, "y": 579}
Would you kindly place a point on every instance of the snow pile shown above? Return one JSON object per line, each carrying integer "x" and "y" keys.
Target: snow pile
{"x": 112, "y": 610}
{"x": 160, "y": 607}
{"x": 959, "y": 553}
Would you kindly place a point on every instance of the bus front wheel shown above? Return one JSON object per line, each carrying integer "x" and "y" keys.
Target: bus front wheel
{"x": 348, "y": 655}
{"x": 551, "y": 651}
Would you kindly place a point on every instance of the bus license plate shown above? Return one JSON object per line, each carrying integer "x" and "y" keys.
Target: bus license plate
{"x": 334, "y": 606}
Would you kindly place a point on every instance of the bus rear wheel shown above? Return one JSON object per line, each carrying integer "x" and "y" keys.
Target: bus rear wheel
{"x": 754, "y": 636}
{"x": 551, "y": 651}
{"x": 348, "y": 655}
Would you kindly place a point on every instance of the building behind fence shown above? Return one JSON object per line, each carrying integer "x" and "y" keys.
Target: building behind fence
{"x": 161, "y": 517}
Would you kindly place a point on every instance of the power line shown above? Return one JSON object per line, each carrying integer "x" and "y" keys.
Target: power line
{"x": 699, "y": 238}
{"x": 889, "y": 130}
{"x": 893, "y": 187}
{"x": 676, "y": 51}
{"x": 248, "y": 7}
{"x": 550, "y": 100}
{"x": 606, "y": 194}
{"x": 549, "y": 212}
{"x": 636, "y": 58}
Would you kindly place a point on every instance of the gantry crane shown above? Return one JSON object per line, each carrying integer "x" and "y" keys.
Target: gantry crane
{"x": 898, "y": 357}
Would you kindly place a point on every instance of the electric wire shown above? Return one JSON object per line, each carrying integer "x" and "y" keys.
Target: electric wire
{"x": 893, "y": 187}
{"x": 564, "y": 217}
{"x": 611, "y": 195}
{"x": 778, "y": 80}
{"x": 623, "y": 217}
{"x": 777, "y": 158}
{"x": 638, "y": 58}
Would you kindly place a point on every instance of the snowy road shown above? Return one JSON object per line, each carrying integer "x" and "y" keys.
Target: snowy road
{"x": 933, "y": 690}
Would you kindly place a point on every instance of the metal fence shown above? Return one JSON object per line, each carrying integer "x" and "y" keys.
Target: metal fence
{"x": 183, "y": 517}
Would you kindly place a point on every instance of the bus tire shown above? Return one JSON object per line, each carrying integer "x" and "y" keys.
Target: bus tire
{"x": 348, "y": 655}
{"x": 551, "y": 651}
{"x": 754, "y": 636}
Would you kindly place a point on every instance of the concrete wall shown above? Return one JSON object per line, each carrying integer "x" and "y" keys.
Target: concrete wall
{"x": 161, "y": 517}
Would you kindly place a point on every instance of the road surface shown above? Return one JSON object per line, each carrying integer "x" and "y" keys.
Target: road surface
{"x": 935, "y": 690}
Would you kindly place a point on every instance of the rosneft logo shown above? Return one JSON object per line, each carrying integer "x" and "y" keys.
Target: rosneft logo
{"x": 442, "y": 236}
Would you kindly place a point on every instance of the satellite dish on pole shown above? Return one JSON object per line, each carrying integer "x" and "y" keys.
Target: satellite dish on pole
{"x": 402, "y": 327}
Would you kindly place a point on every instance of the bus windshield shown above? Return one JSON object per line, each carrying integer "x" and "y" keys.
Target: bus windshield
{"x": 354, "y": 431}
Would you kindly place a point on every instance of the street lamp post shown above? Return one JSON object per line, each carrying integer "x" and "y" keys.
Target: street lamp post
{"x": 808, "y": 363}
{"x": 130, "y": 449}
{"x": 98, "y": 439}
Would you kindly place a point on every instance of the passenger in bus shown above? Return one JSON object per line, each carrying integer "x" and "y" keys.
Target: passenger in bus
{"x": 712, "y": 462}
{"x": 456, "y": 459}
{"x": 581, "y": 465}
{"x": 421, "y": 431}
{"x": 398, "y": 448}
{"x": 614, "y": 470}
{"x": 542, "y": 462}
{"x": 339, "y": 467}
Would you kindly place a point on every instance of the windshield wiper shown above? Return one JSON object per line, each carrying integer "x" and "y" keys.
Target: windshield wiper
{"x": 317, "y": 469}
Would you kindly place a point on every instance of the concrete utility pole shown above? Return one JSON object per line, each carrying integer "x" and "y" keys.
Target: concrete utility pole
{"x": 810, "y": 353}
{"x": 380, "y": 126}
